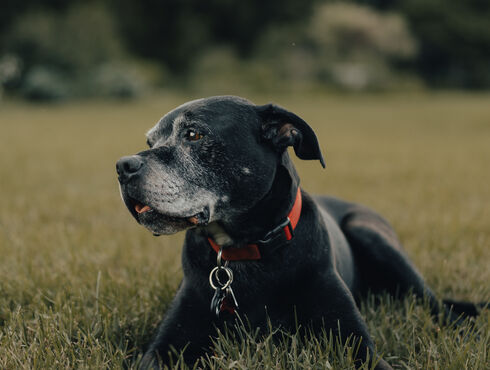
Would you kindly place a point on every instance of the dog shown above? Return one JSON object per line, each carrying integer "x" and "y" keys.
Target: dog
{"x": 258, "y": 246}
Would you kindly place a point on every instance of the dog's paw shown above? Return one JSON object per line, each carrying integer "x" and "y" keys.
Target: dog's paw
{"x": 383, "y": 365}
{"x": 150, "y": 361}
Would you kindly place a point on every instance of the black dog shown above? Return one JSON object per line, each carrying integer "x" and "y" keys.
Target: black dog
{"x": 219, "y": 168}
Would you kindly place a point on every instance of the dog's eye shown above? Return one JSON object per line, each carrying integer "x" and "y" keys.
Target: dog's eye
{"x": 192, "y": 135}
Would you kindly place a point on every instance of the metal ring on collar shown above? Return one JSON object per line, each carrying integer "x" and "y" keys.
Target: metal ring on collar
{"x": 214, "y": 273}
{"x": 218, "y": 258}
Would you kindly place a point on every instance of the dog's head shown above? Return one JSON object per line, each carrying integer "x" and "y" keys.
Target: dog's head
{"x": 209, "y": 160}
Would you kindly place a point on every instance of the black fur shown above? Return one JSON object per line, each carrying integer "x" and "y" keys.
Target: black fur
{"x": 241, "y": 166}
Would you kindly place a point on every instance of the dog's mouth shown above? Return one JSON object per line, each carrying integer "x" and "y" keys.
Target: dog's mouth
{"x": 144, "y": 213}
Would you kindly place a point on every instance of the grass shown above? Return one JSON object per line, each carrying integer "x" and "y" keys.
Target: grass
{"x": 83, "y": 286}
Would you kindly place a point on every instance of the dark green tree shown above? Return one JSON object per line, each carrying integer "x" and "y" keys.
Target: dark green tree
{"x": 175, "y": 31}
{"x": 453, "y": 37}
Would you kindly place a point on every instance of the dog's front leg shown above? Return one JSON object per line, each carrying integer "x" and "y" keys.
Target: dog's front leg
{"x": 188, "y": 324}
{"x": 341, "y": 315}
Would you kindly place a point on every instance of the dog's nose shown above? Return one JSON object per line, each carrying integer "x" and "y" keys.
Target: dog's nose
{"x": 128, "y": 167}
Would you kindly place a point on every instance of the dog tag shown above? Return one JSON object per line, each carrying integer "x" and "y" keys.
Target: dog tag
{"x": 219, "y": 295}
{"x": 229, "y": 303}
{"x": 224, "y": 303}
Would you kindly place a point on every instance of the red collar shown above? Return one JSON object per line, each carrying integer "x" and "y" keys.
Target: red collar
{"x": 252, "y": 251}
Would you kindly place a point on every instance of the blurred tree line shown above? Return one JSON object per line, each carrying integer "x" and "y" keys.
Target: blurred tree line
{"x": 68, "y": 48}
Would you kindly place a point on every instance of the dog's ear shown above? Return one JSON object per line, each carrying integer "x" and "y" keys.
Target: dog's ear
{"x": 284, "y": 128}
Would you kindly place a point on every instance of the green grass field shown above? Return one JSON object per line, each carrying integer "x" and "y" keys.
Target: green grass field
{"x": 83, "y": 286}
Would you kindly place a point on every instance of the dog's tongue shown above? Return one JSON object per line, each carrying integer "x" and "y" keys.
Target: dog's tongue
{"x": 140, "y": 208}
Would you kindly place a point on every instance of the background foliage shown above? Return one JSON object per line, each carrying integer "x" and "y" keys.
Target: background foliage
{"x": 61, "y": 49}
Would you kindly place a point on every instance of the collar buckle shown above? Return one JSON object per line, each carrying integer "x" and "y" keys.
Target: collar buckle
{"x": 277, "y": 232}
